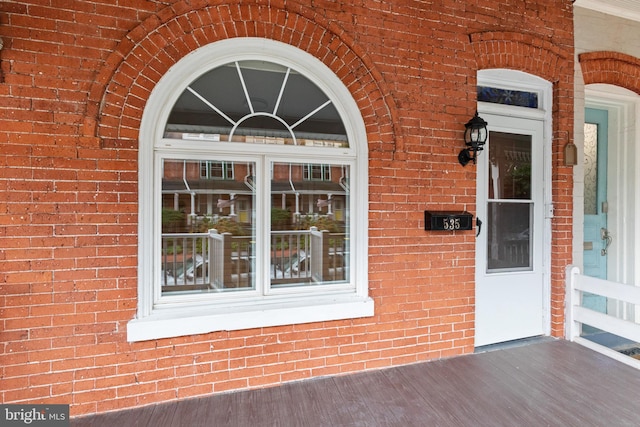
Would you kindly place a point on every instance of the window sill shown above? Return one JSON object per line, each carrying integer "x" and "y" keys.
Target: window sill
{"x": 167, "y": 323}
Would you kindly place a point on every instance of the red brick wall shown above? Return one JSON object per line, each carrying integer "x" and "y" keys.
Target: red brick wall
{"x": 76, "y": 79}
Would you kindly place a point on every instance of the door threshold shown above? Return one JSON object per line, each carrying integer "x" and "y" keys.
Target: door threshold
{"x": 514, "y": 343}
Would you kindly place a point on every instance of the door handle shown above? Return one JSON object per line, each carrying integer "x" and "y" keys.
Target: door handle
{"x": 479, "y": 226}
{"x": 606, "y": 236}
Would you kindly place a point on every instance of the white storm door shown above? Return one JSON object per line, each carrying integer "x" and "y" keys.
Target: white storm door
{"x": 509, "y": 247}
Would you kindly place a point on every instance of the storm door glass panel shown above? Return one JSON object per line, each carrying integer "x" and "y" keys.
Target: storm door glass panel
{"x": 207, "y": 242}
{"x": 309, "y": 226}
{"x": 510, "y": 207}
{"x": 509, "y": 238}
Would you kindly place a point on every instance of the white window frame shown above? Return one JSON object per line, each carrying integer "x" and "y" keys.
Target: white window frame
{"x": 196, "y": 316}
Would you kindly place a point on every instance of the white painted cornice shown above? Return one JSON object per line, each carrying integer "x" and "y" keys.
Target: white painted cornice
{"x": 629, "y": 9}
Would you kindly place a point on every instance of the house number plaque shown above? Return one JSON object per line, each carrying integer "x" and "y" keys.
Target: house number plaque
{"x": 447, "y": 220}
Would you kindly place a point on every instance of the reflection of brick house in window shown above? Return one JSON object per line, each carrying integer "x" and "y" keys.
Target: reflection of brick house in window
{"x": 223, "y": 189}
{"x": 295, "y": 189}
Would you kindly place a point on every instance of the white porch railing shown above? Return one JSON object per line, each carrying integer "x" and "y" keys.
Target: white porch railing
{"x": 577, "y": 315}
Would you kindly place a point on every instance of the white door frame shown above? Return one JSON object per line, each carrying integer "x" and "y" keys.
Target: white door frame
{"x": 517, "y": 80}
{"x": 623, "y": 178}
{"x": 623, "y": 181}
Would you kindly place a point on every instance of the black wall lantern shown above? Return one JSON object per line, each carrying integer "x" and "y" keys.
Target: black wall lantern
{"x": 475, "y": 135}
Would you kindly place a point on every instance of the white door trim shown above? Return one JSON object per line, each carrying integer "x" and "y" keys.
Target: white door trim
{"x": 623, "y": 178}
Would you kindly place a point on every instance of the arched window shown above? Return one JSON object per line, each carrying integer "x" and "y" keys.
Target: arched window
{"x": 253, "y": 194}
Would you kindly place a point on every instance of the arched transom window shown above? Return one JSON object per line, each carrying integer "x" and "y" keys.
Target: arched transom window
{"x": 257, "y": 102}
{"x": 252, "y": 194}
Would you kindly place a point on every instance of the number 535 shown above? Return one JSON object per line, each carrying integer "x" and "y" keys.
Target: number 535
{"x": 451, "y": 223}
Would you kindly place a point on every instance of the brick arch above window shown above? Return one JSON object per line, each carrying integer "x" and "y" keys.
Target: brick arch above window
{"x": 123, "y": 85}
{"x": 519, "y": 51}
{"x": 614, "y": 68}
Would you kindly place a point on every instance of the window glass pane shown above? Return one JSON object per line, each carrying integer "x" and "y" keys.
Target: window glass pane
{"x": 507, "y": 97}
{"x": 590, "y": 169}
{"x": 509, "y": 241}
{"x": 208, "y": 236}
{"x": 256, "y": 102}
{"x": 309, "y": 226}
{"x": 510, "y": 166}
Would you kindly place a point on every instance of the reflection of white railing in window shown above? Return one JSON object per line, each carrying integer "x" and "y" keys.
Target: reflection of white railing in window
{"x": 515, "y": 253}
{"x": 307, "y": 256}
{"x": 328, "y": 264}
{"x": 204, "y": 261}
{"x": 184, "y": 259}
{"x": 231, "y": 261}
{"x": 290, "y": 257}
{"x": 509, "y": 251}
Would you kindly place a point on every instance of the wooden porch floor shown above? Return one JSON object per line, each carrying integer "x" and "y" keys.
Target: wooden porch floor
{"x": 550, "y": 383}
